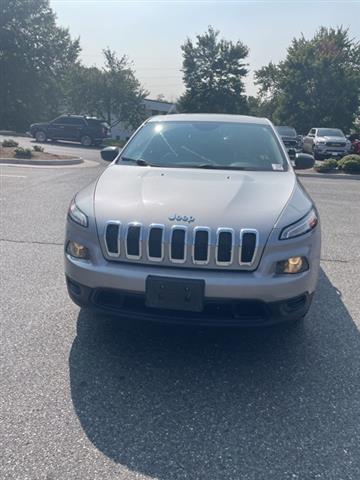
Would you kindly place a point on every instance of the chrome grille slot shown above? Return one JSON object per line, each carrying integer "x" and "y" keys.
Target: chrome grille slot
{"x": 178, "y": 245}
{"x": 201, "y": 245}
{"x": 133, "y": 241}
{"x": 112, "y": 239}
{"x": 248, "y": 246}
{"x": 155, "y": 242}
{"x": 224, "y": 246}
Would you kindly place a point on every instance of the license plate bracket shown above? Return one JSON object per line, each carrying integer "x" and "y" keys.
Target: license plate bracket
{"x": 175, "y": 293}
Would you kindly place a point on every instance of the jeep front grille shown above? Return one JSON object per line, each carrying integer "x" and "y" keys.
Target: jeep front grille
{"x": 200, "y": 246}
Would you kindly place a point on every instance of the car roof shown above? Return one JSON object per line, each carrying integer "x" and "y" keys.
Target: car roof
{"x": 88, "y": 117}
{"x": 72, "y": 116}
{"x": 209, "y": 117}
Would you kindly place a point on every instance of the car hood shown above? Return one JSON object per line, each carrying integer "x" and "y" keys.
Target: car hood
{"x": 288, "y": 137}
{"x": 232, "y": 199}
{"x": 331, "y": 139}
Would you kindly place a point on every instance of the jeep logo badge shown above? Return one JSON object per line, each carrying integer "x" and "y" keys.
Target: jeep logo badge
{"x": 181, "y": 218}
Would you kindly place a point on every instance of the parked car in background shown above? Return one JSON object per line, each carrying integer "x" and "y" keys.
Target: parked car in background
{"x": 291, "y": 139}
{"x": 75, "y": 128}
{"x": 326, "y": 143}
{"x": 199, "y": 219}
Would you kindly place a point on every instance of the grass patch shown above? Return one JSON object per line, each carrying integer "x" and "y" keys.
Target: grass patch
{"x": 9, "y": 142}
{"x": 21, "y": 152}
{"x": 111, "y": 142}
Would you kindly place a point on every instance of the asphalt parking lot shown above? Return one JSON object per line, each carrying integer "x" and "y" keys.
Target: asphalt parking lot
{"x": 87, "y": 396}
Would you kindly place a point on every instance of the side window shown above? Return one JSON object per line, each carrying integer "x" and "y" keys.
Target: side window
{"x": 77, "y": 121}
{"x": 58, "y": 121}
{"x": 93, "y": 123}
{"x": 312, "y": 132}
{"x": 72, "y": 121}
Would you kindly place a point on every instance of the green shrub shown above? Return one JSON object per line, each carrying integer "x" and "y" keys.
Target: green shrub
{"x": 9, "y": 143}
{"x": 38, "y": 148}
{"x": 111, "y": 142}
{"x": 350, "y": 164}
{"x": 326, "y": 166}
{"x": 23, "y": 152}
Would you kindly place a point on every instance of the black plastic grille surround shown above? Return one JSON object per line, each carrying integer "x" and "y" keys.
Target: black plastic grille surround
{"x": 224, "y": 252}
{"x": 177, "y": 247}
{"x": 201, "y": 246}
{"x": 112, "y": 238}
{"x": 248, "y": 247}
{"x": 133, "y": 240}
{"x": 155, "y": 242}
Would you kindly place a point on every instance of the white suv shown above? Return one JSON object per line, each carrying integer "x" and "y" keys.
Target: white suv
{"x": 326, "y": 143}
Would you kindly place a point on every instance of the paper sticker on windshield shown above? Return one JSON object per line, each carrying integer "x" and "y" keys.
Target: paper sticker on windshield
{"x": 277, "y": 166}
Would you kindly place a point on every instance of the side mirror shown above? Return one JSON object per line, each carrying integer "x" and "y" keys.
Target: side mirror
{"x": 292, "y": 153}
{"x": 303, "y": 161}
{"x": 109, "y": 153}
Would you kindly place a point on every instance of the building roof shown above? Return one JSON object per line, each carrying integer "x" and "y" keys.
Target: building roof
{"x": 158, "y": 101}
{"x": 209, "y": 117}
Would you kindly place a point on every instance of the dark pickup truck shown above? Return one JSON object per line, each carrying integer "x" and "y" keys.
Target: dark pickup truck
{"x": 75, "y": 128}
{"x": 290, "y": 138}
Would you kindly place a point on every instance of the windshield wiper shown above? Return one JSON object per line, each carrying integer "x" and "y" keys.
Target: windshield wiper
{"x": 209, "y": 166}
{"x": 138, "y": 161}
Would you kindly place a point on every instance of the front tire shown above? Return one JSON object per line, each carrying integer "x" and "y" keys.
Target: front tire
{"x": 40, "y": 136}
{"x": 86, "y": 141}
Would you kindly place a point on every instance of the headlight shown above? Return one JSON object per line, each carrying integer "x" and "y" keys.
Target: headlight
{"x": 77, "y": 250}
{"x": 302, "y": 226}
{"x": 77, "y": 215}
{"x": 292, "y": 265}
{"x": 321, "y": 143}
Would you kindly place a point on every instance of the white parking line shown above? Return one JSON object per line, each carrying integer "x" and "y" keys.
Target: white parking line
{"x": 16, "y": 176}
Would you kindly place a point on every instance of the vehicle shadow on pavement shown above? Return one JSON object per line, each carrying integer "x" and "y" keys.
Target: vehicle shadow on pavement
{"x": 199, "y": 403}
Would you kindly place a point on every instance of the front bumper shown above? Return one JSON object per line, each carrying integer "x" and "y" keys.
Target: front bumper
{"x": 331, "y": 151}
{"x": 231, "y": 297}
{"x": 217, "y": 312}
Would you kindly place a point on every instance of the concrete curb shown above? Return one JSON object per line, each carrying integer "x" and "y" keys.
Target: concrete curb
{"x": 9, "y": 133}
{"x": 342, "y": 176}
{"x": 39, "y": 163}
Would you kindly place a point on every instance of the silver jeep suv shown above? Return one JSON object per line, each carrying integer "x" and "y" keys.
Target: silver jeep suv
{"x": 200, "y": 218}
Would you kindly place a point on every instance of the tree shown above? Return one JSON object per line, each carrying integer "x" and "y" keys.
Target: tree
{"x": 82, "y": 89}
{"x": 318, "y": 83}
{"x": 35, "y": 53}
{"x": 112, "y": 93}
{"x": 214, "y": 70}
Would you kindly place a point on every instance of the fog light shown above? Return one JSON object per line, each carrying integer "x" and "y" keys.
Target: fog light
{"x": 292, "y": 265}
{"x": 77, "y": 250}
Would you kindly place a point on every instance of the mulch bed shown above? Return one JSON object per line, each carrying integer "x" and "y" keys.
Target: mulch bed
{"x": 9, "y": 152}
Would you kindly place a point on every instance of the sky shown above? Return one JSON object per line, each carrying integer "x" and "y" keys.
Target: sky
{"x": 151, "y": 32}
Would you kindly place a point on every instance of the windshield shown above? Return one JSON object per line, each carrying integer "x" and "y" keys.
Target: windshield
{"x": 239, "y": 146}
{"x": 286, "y": 131}
{"x": 330, "y": 132}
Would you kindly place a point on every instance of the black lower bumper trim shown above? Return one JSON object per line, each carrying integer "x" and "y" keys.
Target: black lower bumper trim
{"x": 216, "y": 311}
